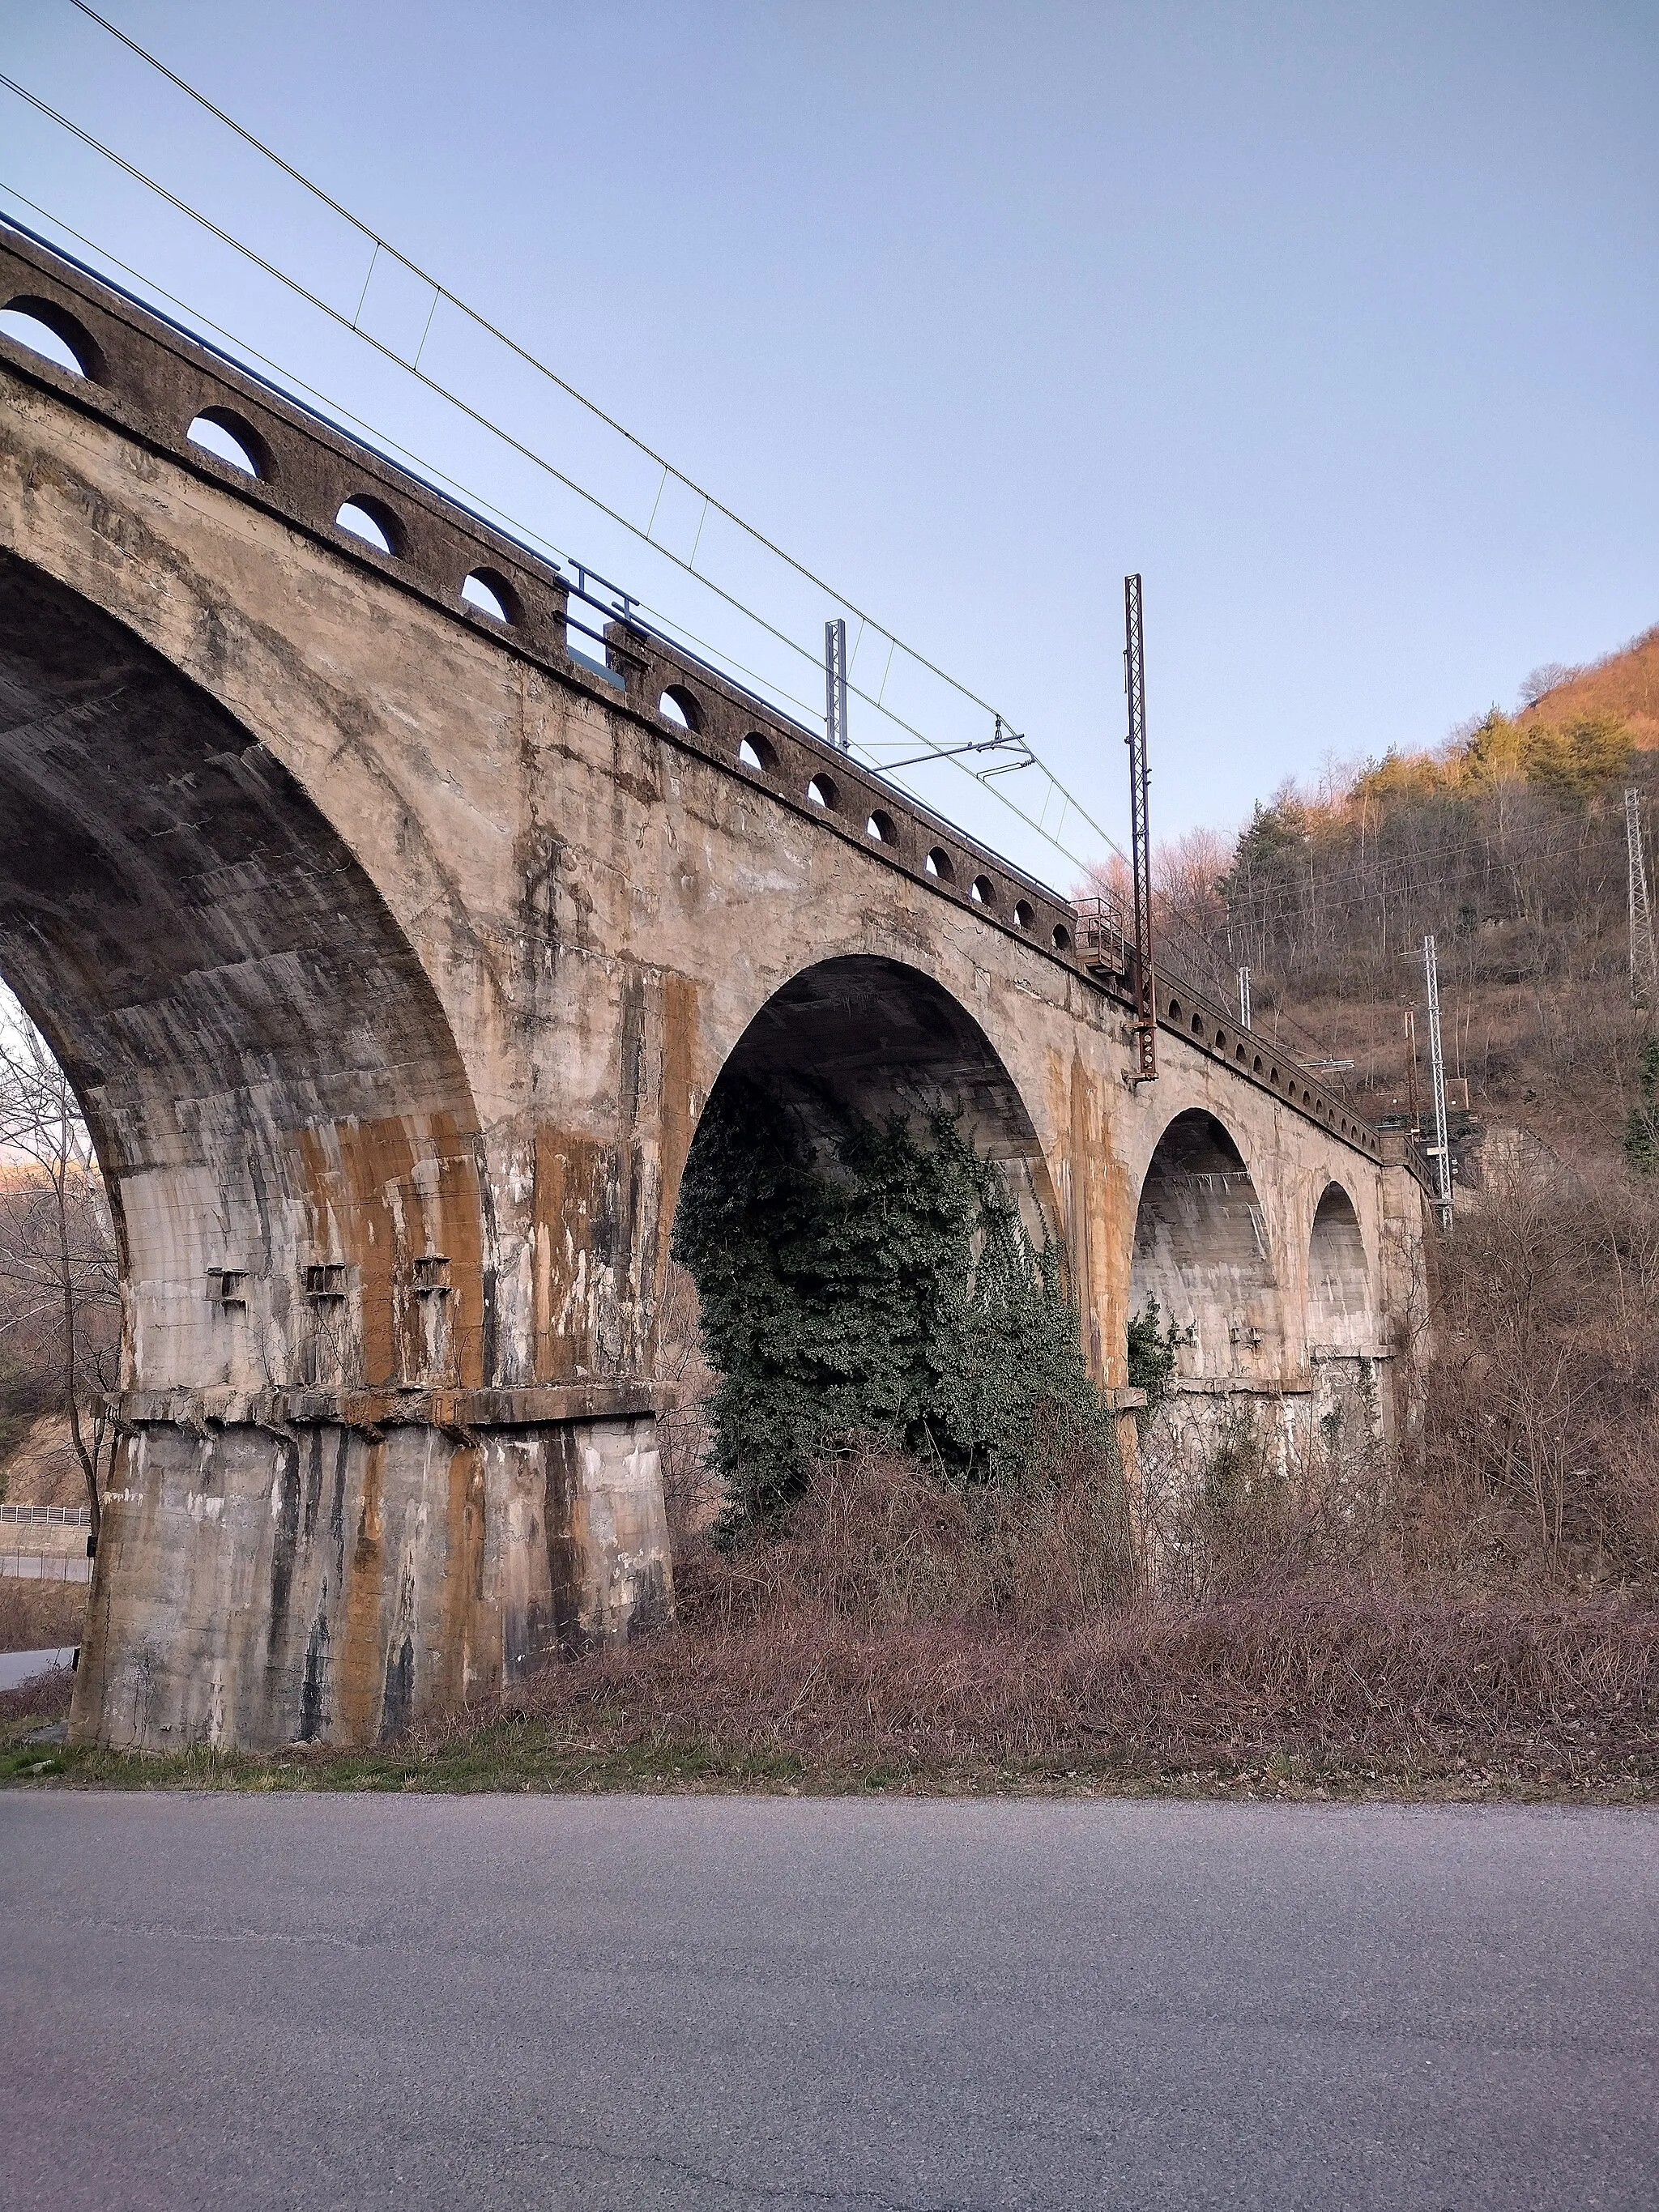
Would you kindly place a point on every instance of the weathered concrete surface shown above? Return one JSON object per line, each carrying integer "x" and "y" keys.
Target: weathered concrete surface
{"x": 394, "y": 953}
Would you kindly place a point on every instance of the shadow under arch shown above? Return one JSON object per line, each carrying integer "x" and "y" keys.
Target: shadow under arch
{"x": 1202, "y": 1249}
{"x": 1338, "y": 1277}
{"x": 876, "y": 1037}
{"x": 277, "y": 1103}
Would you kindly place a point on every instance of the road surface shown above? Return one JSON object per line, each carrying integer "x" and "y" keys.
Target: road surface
{"x": 413, "y": 2002}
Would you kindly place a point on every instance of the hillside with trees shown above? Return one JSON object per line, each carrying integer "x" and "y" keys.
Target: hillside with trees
{"x": 1507, "y": 843}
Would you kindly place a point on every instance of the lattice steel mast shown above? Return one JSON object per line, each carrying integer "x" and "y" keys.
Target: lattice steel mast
{"x": 1140, "y": 843}
{"x": 1438, "y": 1079}
{"x": 1643, "y": 961}
{"x": 836, "y": 727}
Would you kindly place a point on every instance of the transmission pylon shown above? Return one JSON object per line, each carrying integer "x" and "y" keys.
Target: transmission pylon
{"x": 1643, "y": 961}
{"x": 1140, "y": 843}
{"x": 1441, "y": 1149}
{"x": 1244, "y": 998}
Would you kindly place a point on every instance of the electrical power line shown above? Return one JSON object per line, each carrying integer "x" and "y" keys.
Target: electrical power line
{"x": 1197, "y": 954}
{"x": 379, "y": 245}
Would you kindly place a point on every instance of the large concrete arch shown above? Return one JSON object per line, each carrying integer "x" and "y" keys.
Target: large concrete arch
{"x": 879, "y": 1036}
{"x": 270, "y": 1081}
{"x": 1204, "y": 1251}
{"x": 1341, "y": 1306}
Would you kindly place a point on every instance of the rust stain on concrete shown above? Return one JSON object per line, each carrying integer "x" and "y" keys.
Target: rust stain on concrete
{"x": 464, "y": 1664}
{"x": 360, "y": 1676}
{"x": 388, "y": 1194}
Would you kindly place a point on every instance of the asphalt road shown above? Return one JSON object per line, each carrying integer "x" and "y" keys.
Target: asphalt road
{"x": 244, "y": 2002}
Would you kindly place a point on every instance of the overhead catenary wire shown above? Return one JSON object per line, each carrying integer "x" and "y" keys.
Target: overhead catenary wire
{"x": 1071, "y": 803}
{"x": 382, "y": 245}
{"x": 1196, "y": 946}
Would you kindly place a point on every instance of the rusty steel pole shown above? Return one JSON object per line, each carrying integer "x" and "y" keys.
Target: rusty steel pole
{"x": 1140, "y": 843}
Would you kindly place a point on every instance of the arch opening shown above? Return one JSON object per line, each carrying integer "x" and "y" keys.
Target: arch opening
{"x": 223, "y": 433}
{"x": 678, "y": 706}
{"x": 489, "y": 592}
{"x": 374, "y": 521}
{"x": 860, "y": 1106}
{"x": 268, "y": 1077}
{"x": 1338, "y": 1277}
{"x": 1202, "y": 1251}
{"x": 54, "y": 334}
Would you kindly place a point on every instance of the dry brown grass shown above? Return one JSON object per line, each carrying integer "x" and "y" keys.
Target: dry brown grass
{"x": 40, "y": 1616}
{"x": 890, "y": 1633}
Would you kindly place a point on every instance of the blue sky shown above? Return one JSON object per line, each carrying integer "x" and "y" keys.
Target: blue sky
{"x": 1337, "y": 322}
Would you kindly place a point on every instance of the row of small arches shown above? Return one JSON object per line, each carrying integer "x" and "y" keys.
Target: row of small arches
{"x": 49, "y": 330}
{"x": 759, "y": 755}
{"x": 1302, "y": 1095}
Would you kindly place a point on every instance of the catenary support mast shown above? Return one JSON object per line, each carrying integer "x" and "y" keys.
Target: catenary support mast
{"x": 1140, "y": 845}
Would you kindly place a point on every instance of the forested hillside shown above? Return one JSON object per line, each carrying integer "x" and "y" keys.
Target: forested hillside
{"x": 1508, "y": 842}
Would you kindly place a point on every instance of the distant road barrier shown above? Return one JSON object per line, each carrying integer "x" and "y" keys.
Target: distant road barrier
{"x": 45, "y": 1543}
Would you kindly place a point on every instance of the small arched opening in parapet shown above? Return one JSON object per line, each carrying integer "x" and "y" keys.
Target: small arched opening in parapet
{"x": 879, "y": 829}
{"x": 1062, "y": 938}
{"x": 223, "y": 433}
{"x": 982, "y": 891}
{"x": 1340, "y": 1306}
{"x": 757, "y": 753}
{"x": 54, "y": 334}
{"x": 940, "y": 867}
{"x": 821, "y": 791}
{"x": 859, "y": 1080}
{"x": 678, "y": 706}
{"x": 371, "y": 519}
{"x": 1203, "y": 1253}
{"x": 488, "y": 592}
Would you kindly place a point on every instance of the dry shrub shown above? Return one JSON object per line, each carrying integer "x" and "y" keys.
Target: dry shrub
{"x": 1336, "y": 1676}
{"x": 1537, "y": 1458}
{"x": 873, "y": 1539}
{"x": 890, "y": 1626}
{"x": 40, "y": 1616}
{"x": 1239, "y": 1501}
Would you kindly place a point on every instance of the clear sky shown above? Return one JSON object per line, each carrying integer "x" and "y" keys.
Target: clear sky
{"x": 1337, "y": 322}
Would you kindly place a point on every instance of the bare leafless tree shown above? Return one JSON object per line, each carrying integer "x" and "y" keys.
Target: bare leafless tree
{"x": 58, "y": 1261}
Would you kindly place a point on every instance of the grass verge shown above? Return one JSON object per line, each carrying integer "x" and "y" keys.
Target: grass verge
{"x": 1338, "y": 1696}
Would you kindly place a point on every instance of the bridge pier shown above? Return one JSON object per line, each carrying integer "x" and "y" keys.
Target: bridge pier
{"x": 287, "y": 1570}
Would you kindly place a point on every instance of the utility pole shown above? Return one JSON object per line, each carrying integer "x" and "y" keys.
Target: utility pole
{"x": 1244, "y": 998}
{"x": 1141, "y": 844}
{"x": 1441, "y": 1149}
{"x": 1644, "y": 962}
{"x": 834, "y": 685}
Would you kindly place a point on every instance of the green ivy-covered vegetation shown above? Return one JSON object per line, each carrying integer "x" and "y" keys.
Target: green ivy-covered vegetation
{"x": 1153, "y": 1349}
{"x": 893, "y": 1291}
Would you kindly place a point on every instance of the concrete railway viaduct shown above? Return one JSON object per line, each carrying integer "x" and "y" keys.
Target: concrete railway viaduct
{"x": 393, "y": 950}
